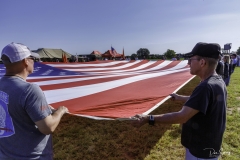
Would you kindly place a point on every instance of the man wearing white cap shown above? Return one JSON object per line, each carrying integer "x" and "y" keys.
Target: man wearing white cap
{"x": 26, "y": 119}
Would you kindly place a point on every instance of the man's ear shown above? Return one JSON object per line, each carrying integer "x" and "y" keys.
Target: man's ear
{"x": 25, "y": 62}
{"x": 203, "y": 62}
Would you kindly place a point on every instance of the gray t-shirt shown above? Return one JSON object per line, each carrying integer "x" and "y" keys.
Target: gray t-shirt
{"x": 22, "y": 104}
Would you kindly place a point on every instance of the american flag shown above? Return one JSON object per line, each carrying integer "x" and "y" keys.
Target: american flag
{"x": 114, "y": 52}
{"x": 109, "y": 89}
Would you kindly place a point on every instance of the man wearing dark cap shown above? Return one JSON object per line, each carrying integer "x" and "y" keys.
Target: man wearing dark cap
{"x": 26, "y": 119}
{"x": 204, "y": 113}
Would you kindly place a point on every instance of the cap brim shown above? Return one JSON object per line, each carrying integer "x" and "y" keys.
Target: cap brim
{"x": 35, "y": 55}
{"x": 188, "y": 55}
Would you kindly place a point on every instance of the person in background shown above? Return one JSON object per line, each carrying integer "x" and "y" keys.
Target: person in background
{"x": 230, "y": 71}
{"x": 174, "y": 59}
{"x": 226, "y": 60}
{"x": 233, "y": 61}
{"x": 220, "y": 67}
{"x": 238, "y": 60}
{"x": 26, "y": 121}
{"x": 204, "y": 113}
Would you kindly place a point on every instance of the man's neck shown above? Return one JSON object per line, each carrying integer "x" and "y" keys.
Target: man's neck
{"x": 20, "y": 75}
{"x": 206, "y": 75}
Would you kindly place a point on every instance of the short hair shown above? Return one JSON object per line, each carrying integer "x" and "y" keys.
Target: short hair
{"x": 235, "y": 55}
{"x": 5, "y": 59}
{"x": 227, "y": 57}
{"x": 212, "y": 62}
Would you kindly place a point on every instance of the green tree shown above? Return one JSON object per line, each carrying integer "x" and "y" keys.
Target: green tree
{"x": 170, "y": 54}
{"x": 143, "y": 53}
{"x": 158, "y": 56}
{"x": 151, "y": 56}
{"x": 133, "y": 56}
{"x": 238, "y": 51}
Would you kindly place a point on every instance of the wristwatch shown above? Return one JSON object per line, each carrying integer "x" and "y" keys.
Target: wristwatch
{"x": 151, "y": 120}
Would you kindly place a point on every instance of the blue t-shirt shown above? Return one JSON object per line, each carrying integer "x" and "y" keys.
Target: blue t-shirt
{"x": 21, "y": 105}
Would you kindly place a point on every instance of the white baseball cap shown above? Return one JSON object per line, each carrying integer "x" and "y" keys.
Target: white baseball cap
{"x": 17, "y": 52}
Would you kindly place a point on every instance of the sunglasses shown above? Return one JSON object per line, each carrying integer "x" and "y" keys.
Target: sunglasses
{"x": 32, "y": 58}
{"x": 190, "y": 59}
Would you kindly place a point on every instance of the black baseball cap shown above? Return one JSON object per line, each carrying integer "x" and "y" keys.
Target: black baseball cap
{"x": 211, "y": 50}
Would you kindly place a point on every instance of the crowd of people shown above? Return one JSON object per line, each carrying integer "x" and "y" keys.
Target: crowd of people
{"x": 226, "y": 66}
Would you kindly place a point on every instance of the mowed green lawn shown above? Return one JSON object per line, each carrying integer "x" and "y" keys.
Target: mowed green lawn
{"x": 86, "y": 139}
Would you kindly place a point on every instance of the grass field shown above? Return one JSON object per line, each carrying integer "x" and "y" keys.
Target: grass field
{"x": 78, "y": 138}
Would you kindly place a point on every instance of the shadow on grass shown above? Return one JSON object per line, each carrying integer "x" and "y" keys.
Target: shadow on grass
{"x": 86, "y": 139}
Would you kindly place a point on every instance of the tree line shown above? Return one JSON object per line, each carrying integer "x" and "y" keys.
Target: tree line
{"x": 144, "y": 53}
{"x": 238, "y": 51}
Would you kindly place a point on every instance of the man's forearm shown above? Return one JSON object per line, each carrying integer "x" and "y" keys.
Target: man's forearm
{"x": 56, "y": 117}
{"x": 183, "y": 98}
{"x": 170, "y": 118}
{"x": 179, "y": 117}
{"x": 50, "y": 123}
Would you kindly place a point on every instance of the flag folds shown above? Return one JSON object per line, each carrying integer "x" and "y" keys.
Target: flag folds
{"x": 110, "y": 89}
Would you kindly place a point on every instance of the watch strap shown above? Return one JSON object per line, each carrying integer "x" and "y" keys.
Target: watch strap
{"x": 151, "y": 120}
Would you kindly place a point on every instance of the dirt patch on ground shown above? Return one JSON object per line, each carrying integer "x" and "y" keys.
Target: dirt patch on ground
{"x": 238, "y": 109}
{"x": 229, "y": 110}
{"x": 238, "y": 98}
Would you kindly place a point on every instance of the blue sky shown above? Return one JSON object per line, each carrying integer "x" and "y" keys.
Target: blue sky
{"x": 81, "y": 26}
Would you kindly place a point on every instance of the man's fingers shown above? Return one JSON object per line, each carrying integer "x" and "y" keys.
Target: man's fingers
{"x": 172, "y": 97}
{"x": 136, "y": 116}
